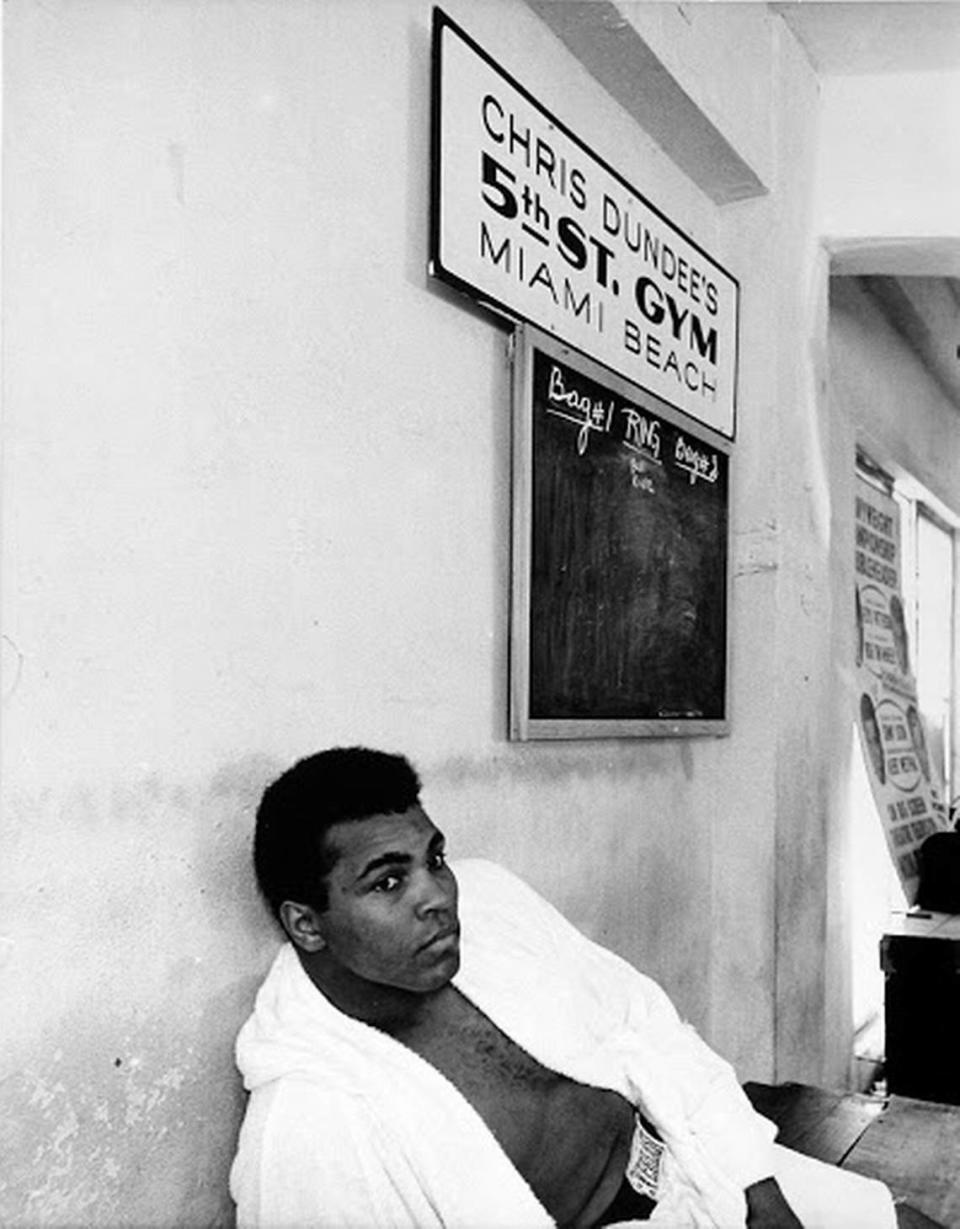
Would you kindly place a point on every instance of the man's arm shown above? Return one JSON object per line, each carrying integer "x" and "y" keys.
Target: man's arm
{"x": 767, "y": 1208}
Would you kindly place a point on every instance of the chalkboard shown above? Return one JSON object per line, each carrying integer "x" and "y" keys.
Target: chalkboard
{"x": 620, "y": 556}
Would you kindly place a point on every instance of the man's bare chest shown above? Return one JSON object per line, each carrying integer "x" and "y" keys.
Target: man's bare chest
{"x": 561, "y": 1135}
{"x": 477, "y": 1057}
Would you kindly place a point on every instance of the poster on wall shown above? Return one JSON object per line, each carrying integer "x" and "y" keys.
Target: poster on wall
{"x": 526, "y": 219}
{"x": 891, "y": 732}
{"x": 620, "y": 550}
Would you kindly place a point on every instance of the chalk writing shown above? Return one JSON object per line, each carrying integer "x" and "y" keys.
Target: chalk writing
{"x": 695, "y": 463}
{"x": 641, "y": 434}
{"x": 641, "y": 480}
{"x": 588, "y": 413}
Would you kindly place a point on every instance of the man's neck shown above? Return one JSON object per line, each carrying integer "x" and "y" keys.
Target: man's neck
{"x": 387, "y": 1008}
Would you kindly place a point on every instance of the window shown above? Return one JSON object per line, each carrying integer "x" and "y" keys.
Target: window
{"x": 931, "y": 598}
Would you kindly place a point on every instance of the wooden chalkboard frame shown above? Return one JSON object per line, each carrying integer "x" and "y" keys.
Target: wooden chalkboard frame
{"x": 524, "y": 723}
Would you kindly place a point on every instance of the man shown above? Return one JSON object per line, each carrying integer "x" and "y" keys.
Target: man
{"x": 435, "y": 1050}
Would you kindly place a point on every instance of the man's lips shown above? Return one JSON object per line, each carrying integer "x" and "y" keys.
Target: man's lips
{"x": 443, "y": 935}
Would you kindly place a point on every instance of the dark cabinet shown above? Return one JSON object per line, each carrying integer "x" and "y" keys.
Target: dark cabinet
{"x": 921, "y": 964}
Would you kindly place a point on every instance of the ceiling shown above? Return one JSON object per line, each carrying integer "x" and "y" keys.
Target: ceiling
{"x": 919, "y": 309}
{"x": 891, "y": 36}
{"x": 846, "y": 37}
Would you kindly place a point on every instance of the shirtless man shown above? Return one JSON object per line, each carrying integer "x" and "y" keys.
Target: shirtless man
{"x": 334, "y": 1135}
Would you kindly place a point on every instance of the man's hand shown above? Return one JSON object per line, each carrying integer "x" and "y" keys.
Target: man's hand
{"x": 767, "y": 1208}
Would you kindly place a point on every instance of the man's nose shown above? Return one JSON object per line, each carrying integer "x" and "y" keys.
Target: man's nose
{"x": 434, "y": 895}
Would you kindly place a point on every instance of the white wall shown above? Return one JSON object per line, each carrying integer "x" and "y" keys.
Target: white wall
{"x": 255, "y": 501}
{"x": 885, "y": 394}
{"x": 889, "y": 167}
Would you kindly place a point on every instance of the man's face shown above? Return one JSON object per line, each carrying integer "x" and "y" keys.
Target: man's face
{"x": 392, "y": 916}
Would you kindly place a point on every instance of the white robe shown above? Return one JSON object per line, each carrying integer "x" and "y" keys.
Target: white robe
{"x": 346, "y": 1128}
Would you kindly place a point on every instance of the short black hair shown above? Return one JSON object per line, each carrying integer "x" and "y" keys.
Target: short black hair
{"x": 291, "y": 856}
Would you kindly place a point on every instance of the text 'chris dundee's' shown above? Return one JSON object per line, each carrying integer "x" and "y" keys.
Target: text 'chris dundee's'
{"x": 544, "y": 230}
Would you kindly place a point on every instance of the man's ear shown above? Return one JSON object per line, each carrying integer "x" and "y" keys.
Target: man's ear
{"x": 302, "y": 923}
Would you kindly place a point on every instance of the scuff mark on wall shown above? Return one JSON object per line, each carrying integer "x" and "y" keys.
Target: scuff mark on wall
{"x": 107, "y": 1139}
{"x": 756, "y": 549}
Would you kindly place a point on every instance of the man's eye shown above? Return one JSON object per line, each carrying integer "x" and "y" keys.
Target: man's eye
{"x": 389, "y": 883}
{"x": 439, "y": 859}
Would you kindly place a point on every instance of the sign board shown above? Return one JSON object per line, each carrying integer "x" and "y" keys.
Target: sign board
{"x": 528, "y": 220}
{"x": 891, "y": 731}
{"x": 620, "y": 549}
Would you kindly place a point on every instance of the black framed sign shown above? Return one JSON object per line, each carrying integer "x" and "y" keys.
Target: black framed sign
{"x": 620, "y": 556}
{"x": 528, "y": 220}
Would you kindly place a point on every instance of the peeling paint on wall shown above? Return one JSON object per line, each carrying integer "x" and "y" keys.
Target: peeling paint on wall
{"x": 130, "y": 976}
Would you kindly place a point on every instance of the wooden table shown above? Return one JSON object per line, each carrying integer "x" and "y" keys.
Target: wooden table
{"x": 913, "y": 1146}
